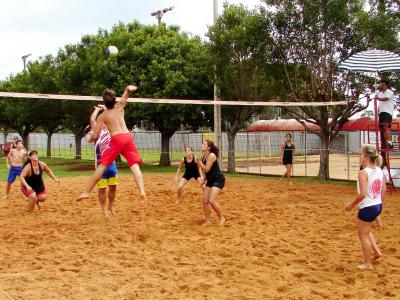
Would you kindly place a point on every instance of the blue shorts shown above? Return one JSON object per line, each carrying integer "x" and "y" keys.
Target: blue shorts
{"x": 14, "y": 172}
{"x": 110, "y": 172}
{"x": 370, "y": 213}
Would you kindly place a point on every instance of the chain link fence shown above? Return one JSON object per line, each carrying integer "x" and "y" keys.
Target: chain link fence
{"x": 255, "y": 152}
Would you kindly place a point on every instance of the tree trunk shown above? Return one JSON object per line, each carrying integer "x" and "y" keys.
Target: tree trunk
{"x": 49, "y": 136}
{"x": 324, "y": 158}
{"x": 3, "y": 149}
{"x": 164, "y": 156}
{"x": 381, "y": 7}
{"x": 25, "y": 139}
{"x": 78, "y": 146}
{"x": 231, "y": 151}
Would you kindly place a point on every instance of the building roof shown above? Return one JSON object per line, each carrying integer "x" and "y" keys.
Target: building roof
{"x": 361, "y": 124}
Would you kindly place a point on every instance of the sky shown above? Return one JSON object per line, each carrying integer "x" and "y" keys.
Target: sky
{"x": 42, "y": 27}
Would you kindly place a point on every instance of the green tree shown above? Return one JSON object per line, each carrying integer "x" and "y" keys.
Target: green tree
{"x": 310, "y": 39}
{"x": 74, "y": 76}
{"x": 23, "y": 116}
{"x": 238, "y": 46}
{"x": 382, "y": 26}
{"x": 164, "y": 63}
{"x": 42, "y": 76}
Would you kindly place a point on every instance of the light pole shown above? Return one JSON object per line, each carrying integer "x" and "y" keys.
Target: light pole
{"x": 160, "y": 13}
{"x": 217, "y": 107}
{"x": 24, "y": 57}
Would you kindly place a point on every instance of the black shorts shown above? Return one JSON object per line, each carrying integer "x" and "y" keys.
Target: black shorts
{"x": 190, "y": 175}
{"x": 218, "y": 182}
{"x": 287, "y": 161}
{"x": 385, "y": 119}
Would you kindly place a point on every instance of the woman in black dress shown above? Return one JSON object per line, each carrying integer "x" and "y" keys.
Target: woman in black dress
{"x": 191, "y": 171}
{"x": 215, "y": 181}
{"x": 32, "y": 184}
{"x": 287, "y": 150}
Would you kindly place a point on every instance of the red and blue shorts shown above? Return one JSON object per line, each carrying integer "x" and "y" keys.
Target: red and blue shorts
{"x": 27, "y": 193}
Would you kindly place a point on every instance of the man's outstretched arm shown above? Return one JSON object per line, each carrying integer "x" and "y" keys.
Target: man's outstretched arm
{"x": 124, "y": 98}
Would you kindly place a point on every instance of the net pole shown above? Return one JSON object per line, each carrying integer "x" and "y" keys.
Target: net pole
{"x": 348, "y": 155}
{"x": 305, "y": 153}
{"x": 259, "y": 139}
{"x": 293, "y": 156}
{"x": 269, "y": 145}
{"x": 247, "y": 151}
{"x": 217, "y": 108}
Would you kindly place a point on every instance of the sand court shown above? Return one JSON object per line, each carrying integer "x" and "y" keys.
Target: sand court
{"x": 277, "y": 243}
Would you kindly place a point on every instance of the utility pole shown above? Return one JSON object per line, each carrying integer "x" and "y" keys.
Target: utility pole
{"x": 160, "y": 13}
{"x": 217, "y": 107}
{"x": 24, "y": 57}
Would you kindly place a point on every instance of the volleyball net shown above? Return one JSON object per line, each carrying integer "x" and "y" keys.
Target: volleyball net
{"x": 169, "y": 101}
{"x": 255, "y": 152}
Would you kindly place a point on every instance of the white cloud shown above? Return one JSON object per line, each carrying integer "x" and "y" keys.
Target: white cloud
{"x": 42, "y": 27}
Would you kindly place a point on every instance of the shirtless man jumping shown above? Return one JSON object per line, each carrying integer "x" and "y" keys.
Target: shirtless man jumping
{"x": 15, "y": 158}
{"x": 121, "y": 142}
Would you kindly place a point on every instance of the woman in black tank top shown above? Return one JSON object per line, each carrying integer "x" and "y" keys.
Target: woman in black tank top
{"x": 215, "y": 181}
{"x": 32, "y": 184}
{"x": 191, "y": 171}
{"x": 287, "y": 150}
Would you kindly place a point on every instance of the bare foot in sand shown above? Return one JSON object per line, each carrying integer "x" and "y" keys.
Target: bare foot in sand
{"x": 206, "y": 223}
{"x": 83, "y": 196}
{"x": 365, "y": 266}
{"x": 143, "y": 201}
{"x": 112, "y": 210}
{"x": 5, "y": 197}
{"x": 177, "y": 201}
{"x": 377, "y": 256}
{"x": 290, "y": 183}
{"x": 378, "y": 221}
{"x": 221, "y": 221}
{"x": 105, "y": 213}
{"x": 142, "y": 204}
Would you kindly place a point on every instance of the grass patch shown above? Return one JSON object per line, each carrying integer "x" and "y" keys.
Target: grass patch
{"x": 63, "y": 167}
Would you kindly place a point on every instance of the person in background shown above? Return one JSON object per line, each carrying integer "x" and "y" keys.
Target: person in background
{"x": 32, "y": 185}
{"x": 385, "y": 108}
{"x": 286, "y": 157}
{"x": 14, "y": 162}
{"x": 191, "y": 171}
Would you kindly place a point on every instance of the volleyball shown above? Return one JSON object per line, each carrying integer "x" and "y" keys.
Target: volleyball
{"x": 111, "y": 50}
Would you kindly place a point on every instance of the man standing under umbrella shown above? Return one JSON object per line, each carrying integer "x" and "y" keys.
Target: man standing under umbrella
{"x": 386, "y": 107}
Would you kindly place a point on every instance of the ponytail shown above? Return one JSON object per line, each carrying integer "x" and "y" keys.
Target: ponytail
{"x": 370, "y": 152}
{"x": 378, "y": 160}
{"x": 213, "y": 149}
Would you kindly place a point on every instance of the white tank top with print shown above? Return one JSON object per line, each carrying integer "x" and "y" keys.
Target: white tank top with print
{"x": 376, "y": 179}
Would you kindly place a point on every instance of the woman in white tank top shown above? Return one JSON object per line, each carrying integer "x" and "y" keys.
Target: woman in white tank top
{"x": 371, "y": 185}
